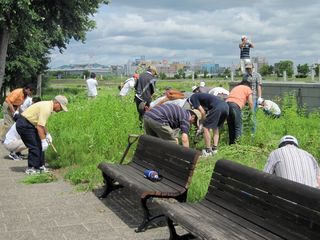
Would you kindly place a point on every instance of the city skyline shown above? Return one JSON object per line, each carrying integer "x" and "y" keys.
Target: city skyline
{"x": 280, "y": 30}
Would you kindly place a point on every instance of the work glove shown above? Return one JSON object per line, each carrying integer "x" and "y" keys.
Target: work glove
{"x": 199, "y": 130}
{"x": 16, "y": 115}
{"x": 44, "y": 144}
{"x": 49, "y": 138}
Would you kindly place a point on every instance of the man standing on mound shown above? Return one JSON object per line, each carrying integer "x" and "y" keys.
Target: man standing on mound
{"x": 31, "y": 126}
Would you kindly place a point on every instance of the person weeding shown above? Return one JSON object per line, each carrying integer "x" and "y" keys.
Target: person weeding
{"x": 92, "y": 84}
{"x": 238, "y": 97}
{"x": 10, "y": 106}
{"x": 144, "y": 88}
{"x": 12, "y": 141}
{"x": 214, "y": 111}
{"x": 165, "y": 121}
{"x": 293, "y": 163}
{"x": 270, "y": 108}
{"x": 31, "y": 126}
{"x": 128, "y": 85}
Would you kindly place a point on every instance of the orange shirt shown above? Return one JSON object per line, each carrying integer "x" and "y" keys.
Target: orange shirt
{"x": 239, "y": 95}
{"x": 16, "y": 97}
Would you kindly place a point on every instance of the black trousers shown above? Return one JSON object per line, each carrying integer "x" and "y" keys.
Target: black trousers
{"x": 30, "y": 137}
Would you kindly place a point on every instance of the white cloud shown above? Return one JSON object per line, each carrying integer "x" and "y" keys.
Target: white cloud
{"x": 199, "y": 29}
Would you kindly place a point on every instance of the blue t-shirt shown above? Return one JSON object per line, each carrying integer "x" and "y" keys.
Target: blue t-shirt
{"x": 206, "y": 100}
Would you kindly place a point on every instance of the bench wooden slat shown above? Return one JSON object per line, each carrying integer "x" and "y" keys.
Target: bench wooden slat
{"x": 128, "y": 176}
{"x": 268, "y": 206}
{"x": 280, "y": 205}
{"x": 174, "y": 162}
{"x": 304, "y": 195}
{"x": 210, "y": 224}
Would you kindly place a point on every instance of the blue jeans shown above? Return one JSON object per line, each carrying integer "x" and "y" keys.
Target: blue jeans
{"x": 234, "y": 121}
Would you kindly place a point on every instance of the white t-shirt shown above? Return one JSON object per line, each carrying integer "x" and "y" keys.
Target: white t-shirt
{"x": 27, "y": 103}
{"x": 92, "y": 87}
{"x": 218, "y": 90}
{"x": 128, "y": 85}
{"x": 12, "y": 135}
{"x": 271, "y": 107}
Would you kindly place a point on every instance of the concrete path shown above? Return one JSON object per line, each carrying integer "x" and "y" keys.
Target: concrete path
{"x": 55, "y": 211}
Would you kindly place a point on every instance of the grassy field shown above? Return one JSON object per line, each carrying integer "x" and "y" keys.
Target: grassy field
{"x": 96, "y": 130}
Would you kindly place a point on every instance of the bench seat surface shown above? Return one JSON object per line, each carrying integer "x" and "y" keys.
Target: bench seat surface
{"x": 213, "y": 222}
{"x": 131, "y": 176}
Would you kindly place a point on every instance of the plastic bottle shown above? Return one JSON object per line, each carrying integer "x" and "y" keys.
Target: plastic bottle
{"x": 151, "y": 174}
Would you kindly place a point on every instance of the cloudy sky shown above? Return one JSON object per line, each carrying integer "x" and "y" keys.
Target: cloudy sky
{"x": 192, "y": 30}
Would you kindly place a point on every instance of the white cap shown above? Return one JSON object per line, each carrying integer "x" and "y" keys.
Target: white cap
{"x": 288, "y": 138}
{"x": 63, "y": 102}
{"x": 194, "y": 88}
{"x": 243, "y": 36}
{"x": 260, "y": 100}
{"x": 202, "y": 84}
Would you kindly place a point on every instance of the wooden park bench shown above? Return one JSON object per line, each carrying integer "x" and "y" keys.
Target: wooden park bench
{"x": 244, "y": 203}
{"x": 174, "y": 163}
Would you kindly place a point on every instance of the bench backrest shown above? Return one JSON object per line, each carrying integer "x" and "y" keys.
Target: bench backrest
{"x": 288, "y": 209}
{"x": 174, "y": 162}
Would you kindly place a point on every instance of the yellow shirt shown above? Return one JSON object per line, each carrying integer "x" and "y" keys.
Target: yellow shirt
{"x": 38, "y": 113}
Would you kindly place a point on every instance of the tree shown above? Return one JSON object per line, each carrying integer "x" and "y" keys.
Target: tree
{"x": 162, "y": 75}
{"x": 58, "y": 21}
{"x": 205, "y": 74}
{"x": 266, "y": 70}
{"x": 303, "y": 70}
{"x": 227, "y": 72}
{"x": 282, "y": 66}
{"x": 316, "y": 69}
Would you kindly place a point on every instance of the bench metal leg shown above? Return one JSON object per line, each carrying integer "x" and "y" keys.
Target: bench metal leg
{"x": 147, "y": 219}
{"x": 173, "y": 233}
{"x": 109, "y": 186}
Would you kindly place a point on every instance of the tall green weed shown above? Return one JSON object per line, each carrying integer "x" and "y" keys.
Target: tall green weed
{"x": 96, "y": 130}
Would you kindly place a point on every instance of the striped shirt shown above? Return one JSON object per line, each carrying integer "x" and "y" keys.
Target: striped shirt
{"x": 172, "y": 115}
{"x": 245, "y": 51}
{"x": 294, "y": 164}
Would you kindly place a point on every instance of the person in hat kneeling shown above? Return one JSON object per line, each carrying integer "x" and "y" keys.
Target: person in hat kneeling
{"x": 165, "y": 121}
{"x": 293, "y": 163}
{"x": 270, "y": 108}
{"x": 31, "y": 126}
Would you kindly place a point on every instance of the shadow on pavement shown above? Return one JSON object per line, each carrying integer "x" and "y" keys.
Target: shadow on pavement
{"x": 126, "y": 206}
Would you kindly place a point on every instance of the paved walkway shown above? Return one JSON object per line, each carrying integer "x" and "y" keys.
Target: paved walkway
{"x": 55, "y": 211}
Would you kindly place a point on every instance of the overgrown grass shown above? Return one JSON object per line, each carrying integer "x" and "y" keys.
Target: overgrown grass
{"x": 39, "y": 178}
{"x": 96, "y": 130}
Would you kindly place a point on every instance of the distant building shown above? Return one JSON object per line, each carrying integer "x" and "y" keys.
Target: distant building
{"x": 259, "y": 62}
{"x": 211, "y": 68}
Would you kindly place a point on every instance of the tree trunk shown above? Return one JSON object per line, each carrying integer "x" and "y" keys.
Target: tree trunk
{"x": 4, "y": 42}
{"x": 39, "y": 83}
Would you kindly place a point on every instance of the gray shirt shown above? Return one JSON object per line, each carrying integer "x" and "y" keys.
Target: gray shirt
{"x": 294, "y": 164}
{"x": 255, "y": 79}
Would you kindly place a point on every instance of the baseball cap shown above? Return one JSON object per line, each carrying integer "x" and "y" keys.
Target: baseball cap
{"x": 260, "y": 100}
{"x": 289, "y": 139}
{"x": 194, "y": 88}
{"x": 243, "y": 36}
{"x": 154, "y": 69}
{"x": 198, "y": 115}
{"x": 63, "y": 102}
{"x": 248, "y": 65}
